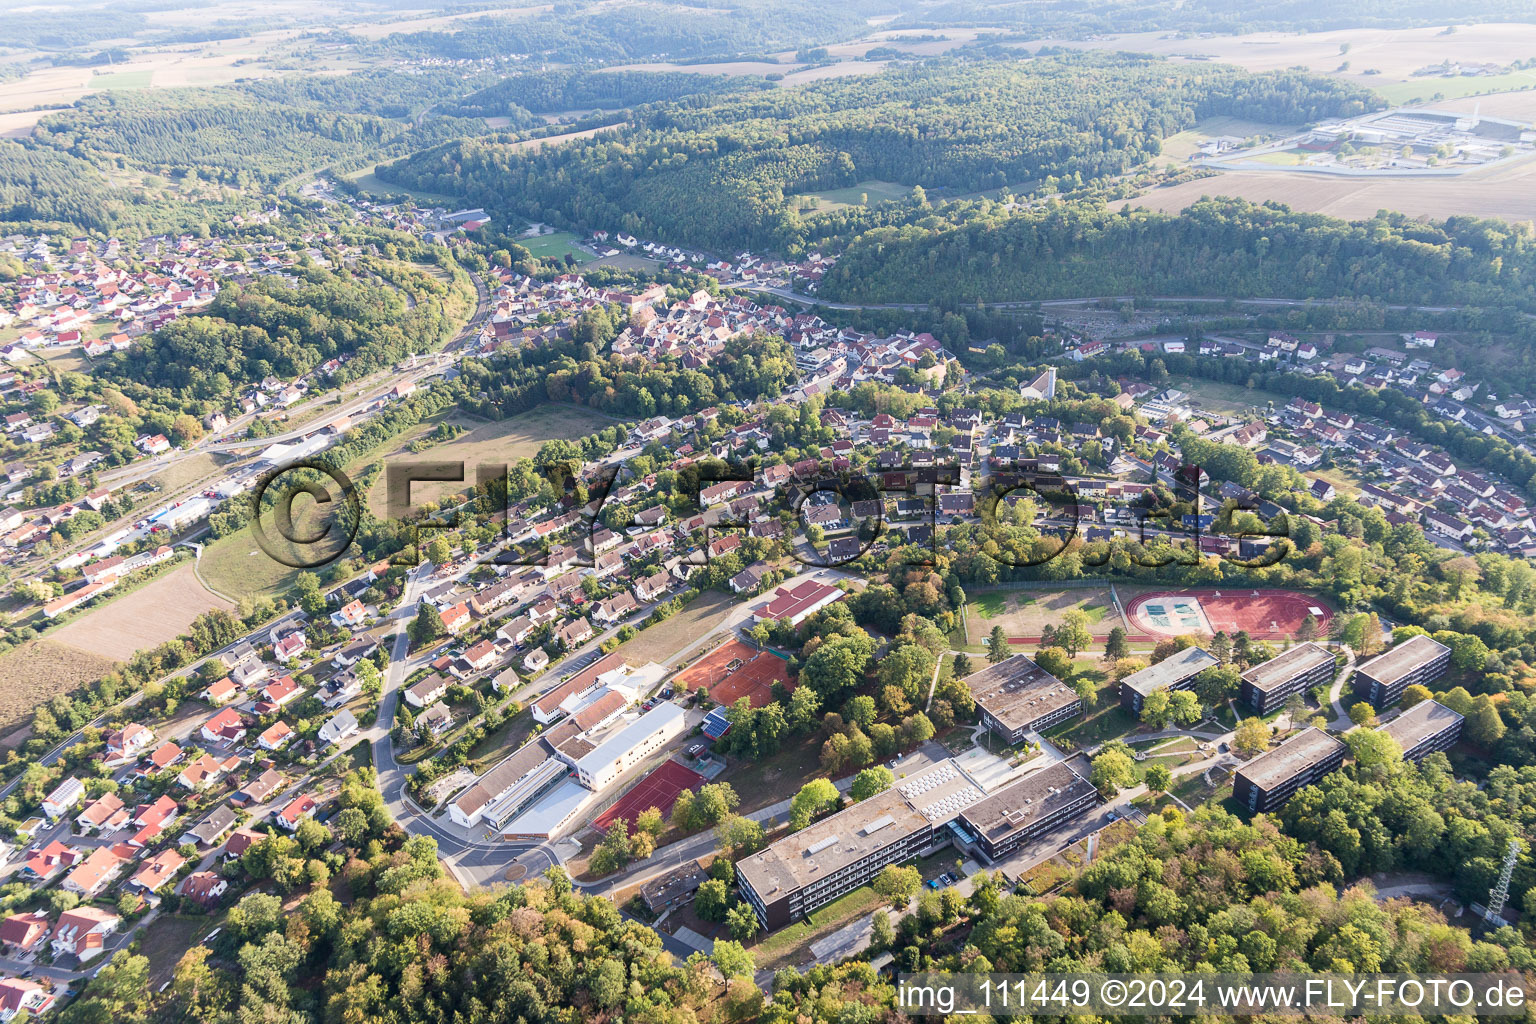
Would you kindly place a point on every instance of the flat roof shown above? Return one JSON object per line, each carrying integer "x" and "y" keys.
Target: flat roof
{"x": 1016, "y": 691}
{"x": 1290, "y": 758}
{"x": 1418, "y": 723}
{"x": 1287, "y": 665}
{"x": 1171, "y": 671}
{"x": 1018, "y": 806}
{"x": 633, "y": 734}
{"x": 1403, "y": 658}
{"x": 932, "y": 797}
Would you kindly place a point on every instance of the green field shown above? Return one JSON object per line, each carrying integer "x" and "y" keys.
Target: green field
{"x": 1284, "y": 158}
{"x": 370, "y": 182}
{"x": 555, "y": 246}
{"x": 865, "y": 193}
{"x": 236, "y": 568}
{"x": 1450, "y": 88}
{"x": 1219, "y": 396}
{"x": 123, "y": 80}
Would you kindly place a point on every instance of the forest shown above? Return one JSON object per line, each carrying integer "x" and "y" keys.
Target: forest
{"x": 717, "y": 174}
{"x": 608, "y": 33}
{"x": 553, "y": 92}
{"x": 1218, "y": 247}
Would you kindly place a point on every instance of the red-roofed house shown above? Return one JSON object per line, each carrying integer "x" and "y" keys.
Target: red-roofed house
{"x": 21, "y": 933}
{"x": 18, "y": 995}
{"x": 83, "y": 931}
{"x": 301, "y": 808}
{"x": 221, "y": 692}
{"x": 225, "y": 727}
{"x": 95, "y": 873}
{"x": 205, "y": 887}
{"x": 275, "y": 737}
{"x": 157, "y": 871}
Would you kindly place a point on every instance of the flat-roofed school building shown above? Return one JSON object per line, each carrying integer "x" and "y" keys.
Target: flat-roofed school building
{"x": 1016, "y": 696}
{"x": 1425, "y": 728}
{"x": 1271, "y": 779}
{"x": 1011, "y": 817}
{"x": 1176, "y": 672}
{"x": 1266, "y": 686}
{"x": 834, "y": 856}
{"x": 1419, "y": 659}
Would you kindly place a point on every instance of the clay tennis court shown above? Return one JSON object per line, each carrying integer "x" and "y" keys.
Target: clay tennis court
{"x": 1262, "y": 614}
{"x": 660, "y": 790}
{"x": 735, "y": 670}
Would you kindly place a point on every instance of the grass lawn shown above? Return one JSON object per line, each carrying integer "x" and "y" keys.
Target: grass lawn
{"x": 865, "y": 193}
{"x": 371, "y": 182}
{"x": 791, "y": 944}
{"x": 767, "y": 781}
{"x": 502, "y": 740}
{"x": 667, "y": 638}
{"x": 555, "y": 246}
{"x": 167, "y": 938}
{"x": 1104, "y": 721}
{"x": 236, "y": 567}
{"x": 482, "y": 442}
{"x": 988, "y": 606}
{"x": 1223, "y": 397}
{"x": 1284, "y": 158}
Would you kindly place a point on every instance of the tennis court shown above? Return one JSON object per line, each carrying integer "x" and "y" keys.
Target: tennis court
{"x": 660, "y": 789}
{"x": 735, "y": 670}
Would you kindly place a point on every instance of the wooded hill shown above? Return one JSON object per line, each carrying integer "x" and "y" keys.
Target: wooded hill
{"x": 717, "y": 175}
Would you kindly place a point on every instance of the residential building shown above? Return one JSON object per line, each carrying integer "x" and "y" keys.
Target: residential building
{"x": 205, "y": 887}
{"x": 425, "y": 691}
{"x": 64, "y": 796}
{"x": 83, "y": 932}
{"x": 1015, "y": 697}
{"x": 18, "y": 995}
{"x": 1266, "y": 686}
{"x": 1176, "y": 672}
{"x": 339, "y": 727}
{"x": 157, "y": 871}
{"x": 300, "y": 808}
{"x": 92, "y": 875}
{"x": 1418, "y": 659}
{"x": 1424, "y": 729}
{"x": 1269, "y": 780}
{"x": 22, "y": 933}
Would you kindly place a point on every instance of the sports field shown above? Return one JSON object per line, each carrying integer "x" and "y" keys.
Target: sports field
{"x": 660, "y": 790}
{"x": 1026, "y": 613}
{"x": 1262, "y": 614}
{"x": 735, "y": 670}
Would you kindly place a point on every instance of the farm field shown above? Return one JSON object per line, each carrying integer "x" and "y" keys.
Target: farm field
{"x": 368, "y": 181}
{"x": 36, "y": 671}
{"x": 1504, "y": 193}
{"x": 148, "y": 617}
{"x": 508, "y": 440}
{"x": 1393, "y": 53}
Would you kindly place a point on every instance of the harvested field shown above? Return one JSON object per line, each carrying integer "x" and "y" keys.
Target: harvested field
{"x": 666, "y": 639}
{"x": 1506, "y": 193}
{"x": 151, "y": 615}
{"x": 35, "y": 672}
{"x": 498, "y": 441}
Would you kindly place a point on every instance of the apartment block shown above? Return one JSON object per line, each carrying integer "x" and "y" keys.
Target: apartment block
{"x": 1425, "y": 728}
{"x": 1419, "y": 659}
{"x": 1176, "y": 672}
{"x": 1271, "y": 779}
{"x": 1265, "y": 687}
